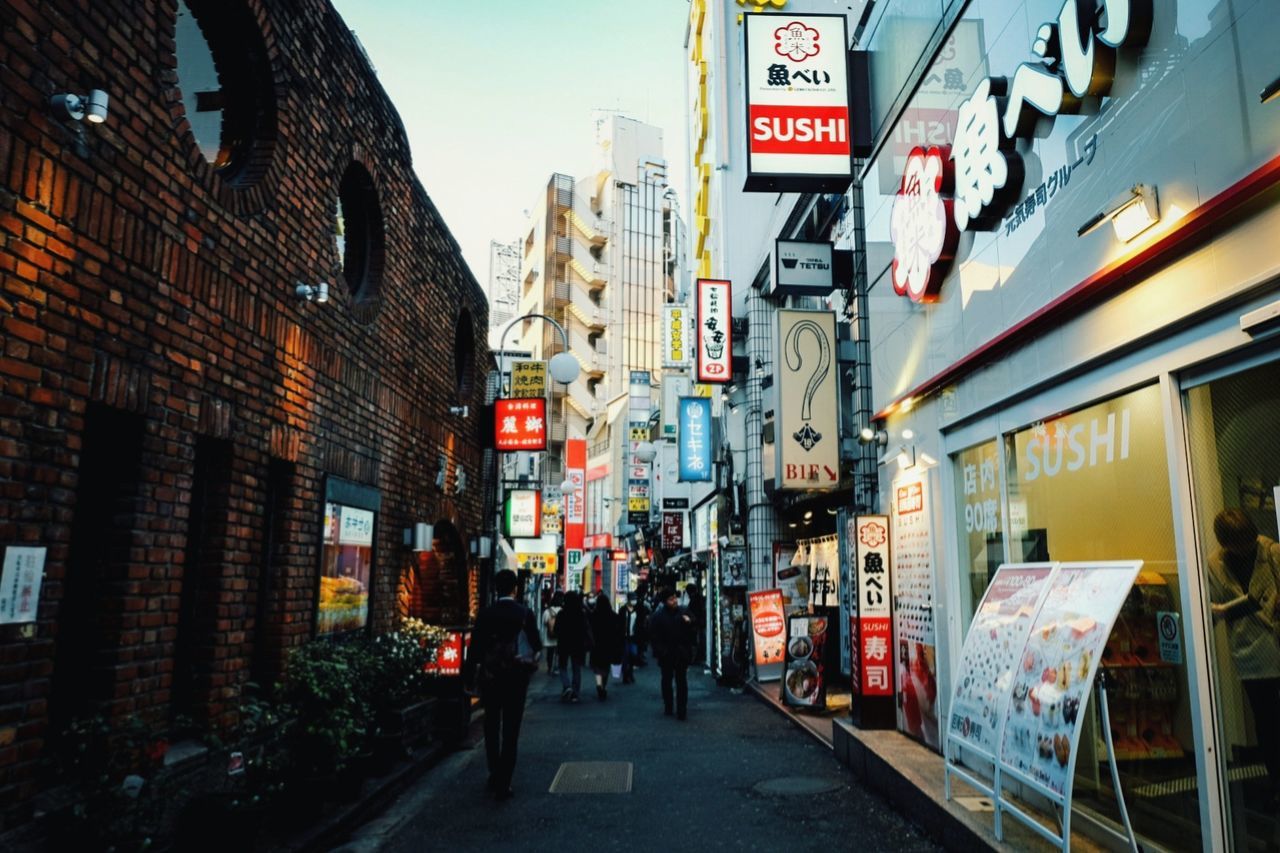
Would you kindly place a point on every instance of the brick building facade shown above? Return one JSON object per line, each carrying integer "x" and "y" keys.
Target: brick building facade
{"x": 174, "y": 418}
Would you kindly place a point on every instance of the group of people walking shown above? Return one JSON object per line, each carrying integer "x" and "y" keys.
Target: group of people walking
{"x": 508, "y": 641}
{"x": 577, "y": 633}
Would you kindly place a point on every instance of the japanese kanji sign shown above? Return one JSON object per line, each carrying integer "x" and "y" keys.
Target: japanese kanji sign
{"x": 715, "y": 333}
{"x": 520, "y": 424}
{"x": 808, "y": 449}
{"x": 523, "y": 512}
{"x": 797, "y": 87}
{"x": 20, "y": 584}
{"x": 875, "y": 605}
{"x": 676, "y": 336}
{"x": 528, "y": 379}
{"x": 672, "y": 531}
{"x": 695, "y": 439}
{"x": 575, "y": 457}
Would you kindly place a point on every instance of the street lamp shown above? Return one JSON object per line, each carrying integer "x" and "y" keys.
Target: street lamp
{"x": 564, "y": 368}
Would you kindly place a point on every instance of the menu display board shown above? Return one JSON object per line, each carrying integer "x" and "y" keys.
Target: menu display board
{"x": 792, "y": 577}
{"x": 804, "y": 682}
{"x": 913, "y": 610}
{"x": 1055, "y": 670}
{"x": 996, "y": 637}
{"x": 767, "y": 633}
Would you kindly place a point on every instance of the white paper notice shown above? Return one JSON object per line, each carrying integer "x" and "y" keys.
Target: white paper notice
{"x": 20, "y": 584}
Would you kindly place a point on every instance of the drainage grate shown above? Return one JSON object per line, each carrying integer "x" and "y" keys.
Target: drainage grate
{"x": 593, "y": 777}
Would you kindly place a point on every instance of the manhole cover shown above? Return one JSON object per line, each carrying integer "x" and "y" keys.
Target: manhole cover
{"x": 593, "y": 777}
{"x": 798, "y": 786}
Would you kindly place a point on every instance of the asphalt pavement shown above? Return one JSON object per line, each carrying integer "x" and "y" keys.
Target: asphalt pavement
{"x": 734, "y": 776}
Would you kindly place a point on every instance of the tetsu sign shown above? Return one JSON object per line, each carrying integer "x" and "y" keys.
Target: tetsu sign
{"x": 520, "y": 424}
{"x": 715, "y": 332}
{"x": 798, "y": 129}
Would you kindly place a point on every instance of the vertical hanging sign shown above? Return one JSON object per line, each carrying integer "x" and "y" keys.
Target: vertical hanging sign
{"x": 797, "y": 86}
{"x": 715, "y": 334}
{"x": 808, "y": 442}
{"x": 575, "y": 452}
{"x": 675, "y": 336}
{"x": 695, "y": 440}
{"x": 874, "y": 667}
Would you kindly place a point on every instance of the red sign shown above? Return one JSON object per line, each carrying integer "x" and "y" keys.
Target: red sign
{"x": 767, "y": 626}
{"x": 449, "y": 656}
{"x": 672, "y": 531}
{"x": 520, "y": 424}
{"x": 923, "y": 232}
{"x": 873, "y": 664}
{"x": 777, "y": 129}
{"x": 575, "y": 458}
{"x": 598, "y": 541}
{"x": 618, "y": 556}
{"x": 910, "y": 498}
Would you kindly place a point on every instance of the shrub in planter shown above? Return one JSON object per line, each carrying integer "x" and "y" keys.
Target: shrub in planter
{"x": 326, "y": 694}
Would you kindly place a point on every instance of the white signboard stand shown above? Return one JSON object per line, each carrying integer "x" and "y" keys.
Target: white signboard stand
{"x": 982, "y": 683}
{"x": 1044, "y": 714}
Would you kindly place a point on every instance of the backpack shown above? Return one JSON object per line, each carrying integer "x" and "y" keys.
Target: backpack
{"x": 507, "y": 657}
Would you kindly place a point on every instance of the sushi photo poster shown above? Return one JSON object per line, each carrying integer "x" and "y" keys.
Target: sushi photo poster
{"x": 1055, "y": 672}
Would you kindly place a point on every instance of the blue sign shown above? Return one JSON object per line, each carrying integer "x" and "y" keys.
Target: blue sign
{"x": 695, "y": 439}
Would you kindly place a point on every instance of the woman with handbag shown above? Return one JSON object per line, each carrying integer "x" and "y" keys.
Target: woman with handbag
{"x": 606, "y": 627}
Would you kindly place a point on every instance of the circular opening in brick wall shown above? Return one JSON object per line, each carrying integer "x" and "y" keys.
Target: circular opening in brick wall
{"x": 359, "y": 236}
{"x": 227, "y": 89}
{"x": 464, "y": 353}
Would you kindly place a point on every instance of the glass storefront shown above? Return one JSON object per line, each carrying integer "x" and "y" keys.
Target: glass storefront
{"x": 1231, "y": 425}
{"x": 1087, "y": 485}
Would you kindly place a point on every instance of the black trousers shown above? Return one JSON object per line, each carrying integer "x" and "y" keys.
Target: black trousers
{"x": 503, "y": 701}
{"x": 1264, "y": 699}
{"x": 679, "y": 671}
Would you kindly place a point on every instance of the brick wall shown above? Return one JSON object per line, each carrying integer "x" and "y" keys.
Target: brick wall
{"x": 134, "y": 279}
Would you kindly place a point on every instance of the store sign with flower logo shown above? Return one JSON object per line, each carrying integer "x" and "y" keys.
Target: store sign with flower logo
{"x": 922, "y": 229}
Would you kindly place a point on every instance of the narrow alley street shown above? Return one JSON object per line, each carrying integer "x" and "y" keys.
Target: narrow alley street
{"x": 734, "y": 776}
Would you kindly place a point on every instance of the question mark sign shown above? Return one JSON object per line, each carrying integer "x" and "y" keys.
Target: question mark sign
{"x": 795, "y": 361}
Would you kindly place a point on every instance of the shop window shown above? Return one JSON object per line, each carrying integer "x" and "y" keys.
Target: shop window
{"x": 227, "y": 88}
{"x": 1235, "y": 469}
{"x": 346, "y": 557}
{"x": 980, "y": 521}
{"x": 358, "y": 235}
{"x": 1089, "y": 485}
{"x": 464, "y": 354}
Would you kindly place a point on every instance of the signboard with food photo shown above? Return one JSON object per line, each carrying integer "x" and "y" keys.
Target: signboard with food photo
{"x": 804, "y": 683}
{"x": 768, "y": 634}
{"x": 1055, "y": 671}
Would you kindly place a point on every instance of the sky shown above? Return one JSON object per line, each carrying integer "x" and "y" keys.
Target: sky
{"x": 497, "y": 94}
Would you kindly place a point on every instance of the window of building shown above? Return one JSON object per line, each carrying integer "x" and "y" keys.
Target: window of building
{"x": 358, "y": 235}
{"x": 980, "y": 521}
{"x": 347, "y": 557}
{"x": 225, "y": 79}
{"x": 1090, "y": 485}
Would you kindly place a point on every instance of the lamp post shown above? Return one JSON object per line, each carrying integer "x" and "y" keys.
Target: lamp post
{"x": 564, "y": 368}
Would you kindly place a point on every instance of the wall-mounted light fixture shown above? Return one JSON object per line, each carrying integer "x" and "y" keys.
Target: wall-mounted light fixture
{"x": 418, "y": 537}
{"x": 443, "y": 462}
{"x": 91, "y": 107}
{"x": 313, "y": 292}
{"x": 1130, "y": 213}
{"x": 867, "y": 435}
{"x": 1270, "y": 92}
{"x": 460, "y": 411}
{"x": 461, "y": 485}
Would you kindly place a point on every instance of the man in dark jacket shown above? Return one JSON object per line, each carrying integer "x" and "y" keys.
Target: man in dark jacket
{"x": 503, "y": 672}
{"x": 672, "y": 634}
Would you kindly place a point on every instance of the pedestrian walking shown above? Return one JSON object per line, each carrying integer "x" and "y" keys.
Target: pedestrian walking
{"x": 505, "y": 646}
{"x": 672, "y": 633}
{"x": 549, "y": 641}
{"x": 632, "y": 630}
{"x": 606, "y": 628}
{"x": 573, "y": 639}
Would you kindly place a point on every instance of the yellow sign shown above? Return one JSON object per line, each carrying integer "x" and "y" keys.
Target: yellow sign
{"x": 550, "y": 518}
{"x": 528, "y": 379}
{"x": 638, "y": 504}
{"x": 639, "y": 433}
{"x": 538, "y": 564}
